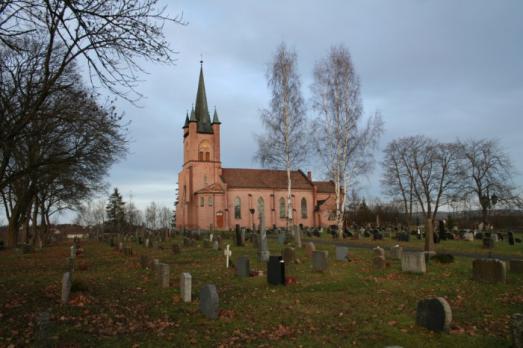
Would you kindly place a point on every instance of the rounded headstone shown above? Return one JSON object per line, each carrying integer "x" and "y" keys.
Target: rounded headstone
{"x": 434, "y": 314}
{"x": 209, "y": 301}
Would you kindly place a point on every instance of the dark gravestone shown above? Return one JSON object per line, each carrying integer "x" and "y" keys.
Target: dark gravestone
{"x": 238, "y": 236}
{"x": 489, "y": 270}
{"x": 488, "y": 243}
{"x": 209, "y": 301}
{"x": 276, "y": 270}
{"x": 319, "y": 260}
{"x": 516, "y": 266}
{"x": 243, "y": 268}
{"x": 434, "y": 314}
{"x": 511, "y": 238}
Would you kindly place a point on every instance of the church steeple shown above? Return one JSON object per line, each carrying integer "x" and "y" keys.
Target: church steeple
{"x": 215, "y": 119}
{"x": 201, "y": 110}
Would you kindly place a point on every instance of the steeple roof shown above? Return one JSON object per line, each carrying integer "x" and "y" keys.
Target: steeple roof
{"x": 186, "y": 120}
{"x": 201, "y": 110}
{"x": 215, "y": 119}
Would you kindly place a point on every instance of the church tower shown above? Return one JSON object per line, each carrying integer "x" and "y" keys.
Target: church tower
{"x": 201, "y": 194}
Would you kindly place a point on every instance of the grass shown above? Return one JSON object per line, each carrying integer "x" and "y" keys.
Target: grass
{"x": 118, "y": 304}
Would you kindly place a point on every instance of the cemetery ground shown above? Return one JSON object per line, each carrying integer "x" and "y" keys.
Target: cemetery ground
{"x": 114, "y": 302}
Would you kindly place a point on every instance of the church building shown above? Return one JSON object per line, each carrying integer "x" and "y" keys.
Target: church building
{"x": 212, "y": 196}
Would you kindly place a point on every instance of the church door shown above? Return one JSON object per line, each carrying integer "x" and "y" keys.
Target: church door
{"x": 219, "y": 219}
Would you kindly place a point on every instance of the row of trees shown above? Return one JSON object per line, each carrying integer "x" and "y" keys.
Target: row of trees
{"x": 425, "y": 175}
{"x": 341, "y": 139}
{"x": 57, "y": 140}
{"x": 115, "y": 215}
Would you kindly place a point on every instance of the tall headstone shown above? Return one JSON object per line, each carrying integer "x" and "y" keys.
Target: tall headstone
{"x": 276, "y": 270}
{"x": 263, "y": 248}
{"x": 489, "y": 270}
{"x": 164, "y": 270}
{"x": 66, "y": 287}
{"x": 342, "y": 253}
{"x": 209, "y": 301}
{"x": 227, "y": 253}
{"x": 238, "y": 235}
{"x": 320, "y": 260}
{"x": 297, "y": 236}
{"x": 378, "y": 251}
{"x": 289, "y": 255}
{"x": 73, "y": 251}
{"x": 434, "y": 314}
{"x": 186, "y": 286}
{"x": 243, "y": 267}
{"x": 242, "y": 236}
{"x": 413, "y": 262}
{"x": 511, "y": 238}
{"x": 147, "y": 243}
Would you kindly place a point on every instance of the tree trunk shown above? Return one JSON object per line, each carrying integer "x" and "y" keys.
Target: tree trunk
{"x": 429, "y": 235}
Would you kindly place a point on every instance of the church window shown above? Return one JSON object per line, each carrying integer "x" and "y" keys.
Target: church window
{"x": 209, "y": 202}
{"x": 303, "y": 208}
{"x": 282, "y": 208}
{"x": 237, "y": 208}
{"x": 207, "y": 156}
{"x": 202, "y": 201}
{"x": 204, "y": 151}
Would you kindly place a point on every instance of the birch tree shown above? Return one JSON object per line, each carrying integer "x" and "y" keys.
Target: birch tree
{"x": 284, "y": 144}
{"x": 343, "y": 141}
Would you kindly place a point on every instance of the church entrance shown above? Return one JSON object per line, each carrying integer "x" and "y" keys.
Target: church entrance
{"x": 219, "y": 219}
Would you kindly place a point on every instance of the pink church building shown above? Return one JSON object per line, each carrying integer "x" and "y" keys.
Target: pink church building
{"x": 212, "y": 196}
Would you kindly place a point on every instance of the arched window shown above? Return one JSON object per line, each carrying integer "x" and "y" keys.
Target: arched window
{"x": 282, "y": 208}
{"x": 202, "y": 201}
{"x": 209, "y": 201}
{"x": 237, "y": 208}
{"x": 261, "y": 208}
{"x": 204, "y": 151}
{"x": 303, "y": 208}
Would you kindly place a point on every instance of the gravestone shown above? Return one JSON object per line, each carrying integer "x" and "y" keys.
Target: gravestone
{"x": 468, "y": 236}
{"x": 516, "y": 330}
{"x": 297, "y": 236}
{"x": 216, "y": 245}
{"x": 66, "y": 287}
{"x": 342, "y": 253}
{"x": 164, "y": 271}
{"x": 238, "y": 235}
{"x": 516, "y": 266}
{"x": 488, "y": 243}
{"x": 289, "y": 255}
{"x": 120, "y": 246}
{"x": 176, "y": 249}
{"x": 395, "y": 252}
{"x": 144, "y": 261}
{"x": 242, "y": 236}
{"x": 378, "y": 262}
{"x": 378, "y": 251}
{"x": 489, "y": 270}
{"x": 73, "y": 251}
{"x": 281, "y": 239}
{"x": 413, "y": 262}
{"x": 186, "y": 286}
{"x": 209, "y": 301}
{"x": 147, "y": 243}
{"x": 243, "y": 268}
{"x": 276, "y": 270}
{"x": 43, "y": 325}
{"x": 319, "y": 260}
{"x": 511, "y": 238}
{"x": 227, "y": 253}
{"x": 434, "y": 314}
{"x": 310, "y": 248}
{"x": 263, "y": 248}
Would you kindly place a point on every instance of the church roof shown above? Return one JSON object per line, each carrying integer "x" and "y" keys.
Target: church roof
{"x": 264, "y": 178}
{"x": 201, "y": 110}
{"x": 325, "y": 186}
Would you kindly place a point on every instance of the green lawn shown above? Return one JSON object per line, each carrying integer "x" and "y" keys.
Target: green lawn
{"x": 116, "y": 303}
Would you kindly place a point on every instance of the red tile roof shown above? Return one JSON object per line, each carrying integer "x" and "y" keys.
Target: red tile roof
{"x": 264, "y": 178}
{"x": 325, "y": 186}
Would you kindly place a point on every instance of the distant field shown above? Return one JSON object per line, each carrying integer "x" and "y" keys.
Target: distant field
{"x": 116, "y": 303}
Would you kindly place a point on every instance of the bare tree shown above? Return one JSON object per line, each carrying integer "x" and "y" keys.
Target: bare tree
{"x": 284, "y": 144}
{"x": 427, "y": 169}
{"x": 344, "y": 144}
{"x": 488, "y": 175}
{"x": 151, "y": 216}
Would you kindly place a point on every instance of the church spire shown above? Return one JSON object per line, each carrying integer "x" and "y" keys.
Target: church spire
{"x": 201, "y": 109}
{"x": 215, "y": 119}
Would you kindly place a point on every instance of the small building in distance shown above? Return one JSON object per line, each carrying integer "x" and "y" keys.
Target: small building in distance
{"x": 212, "y": 196}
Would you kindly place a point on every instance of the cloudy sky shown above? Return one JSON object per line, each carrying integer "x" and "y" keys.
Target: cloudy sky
{"x": 443, "y": 68}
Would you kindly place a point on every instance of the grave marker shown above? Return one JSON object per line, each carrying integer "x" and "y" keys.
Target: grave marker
{"x": 186, "y": 286}
{"x": 66, "y": 287}
{"x": 276, "y": 270}
{"x": 342, "y": 253}
{"x": 434, "y": 314}
{"x": 289, "y": 255}
{"x": 209, "y": 301}
{"x": 413, "y": 262}
{"x": 489, "y": 270}
{"x": 319, "y": 260}
{"x": 310, "y": 248}
{"x": 243, "y": 267}
{"x": 228, "y": 253}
